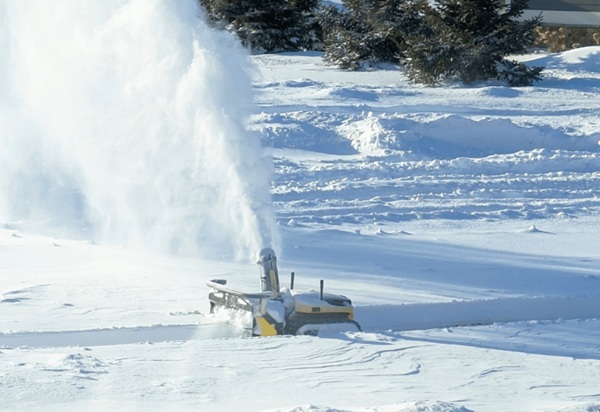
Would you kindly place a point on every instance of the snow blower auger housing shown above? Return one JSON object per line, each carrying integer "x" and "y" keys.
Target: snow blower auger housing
{"x": 284, "y": 311}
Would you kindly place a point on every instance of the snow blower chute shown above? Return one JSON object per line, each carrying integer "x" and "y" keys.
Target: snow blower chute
{"x": 284, "y": 311}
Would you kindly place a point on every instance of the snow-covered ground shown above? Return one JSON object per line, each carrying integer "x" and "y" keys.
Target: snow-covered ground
{"x": 462, "y": 221}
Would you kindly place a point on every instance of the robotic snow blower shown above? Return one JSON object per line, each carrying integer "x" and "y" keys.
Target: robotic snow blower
{"x": 284, "y": 311}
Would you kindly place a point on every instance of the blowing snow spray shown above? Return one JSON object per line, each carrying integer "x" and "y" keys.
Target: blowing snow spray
{"x": 125, "y": 119}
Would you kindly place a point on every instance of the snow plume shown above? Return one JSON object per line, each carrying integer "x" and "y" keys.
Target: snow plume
{"x": 126, "y": 118}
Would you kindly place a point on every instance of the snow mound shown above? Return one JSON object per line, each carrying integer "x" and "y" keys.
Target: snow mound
{"x": 579, "y": 59}
{"x": 422, "y": 406}
{"x": 583, "y": 408}
{"x": 309, "y": 408}
{"x": 427, "y": 406}
{"x": 534, "y": 229}
{"x": 416, "y": 137}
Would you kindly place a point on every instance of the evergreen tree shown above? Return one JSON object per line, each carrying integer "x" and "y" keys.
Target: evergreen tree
{"x": 267, "y": 25}
{"x": 469, "y": 40}
{"x": 368, "y": 31}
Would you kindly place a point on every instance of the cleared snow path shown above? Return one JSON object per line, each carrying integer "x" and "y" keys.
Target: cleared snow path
{"x": 118, "y": 336}
{"x": 375, "y": 318}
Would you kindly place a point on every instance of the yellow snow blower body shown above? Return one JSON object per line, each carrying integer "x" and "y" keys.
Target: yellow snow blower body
{"x": 284, "y": 311}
